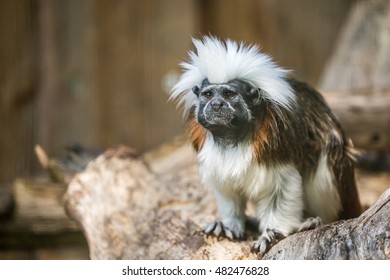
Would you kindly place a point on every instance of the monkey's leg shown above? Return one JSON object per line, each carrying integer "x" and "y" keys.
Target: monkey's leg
{"x": 280, "y": 208}
{"x": 231, "y": 208}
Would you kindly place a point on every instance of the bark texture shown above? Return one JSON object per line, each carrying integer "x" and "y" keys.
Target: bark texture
{"x": 144, "y": 208}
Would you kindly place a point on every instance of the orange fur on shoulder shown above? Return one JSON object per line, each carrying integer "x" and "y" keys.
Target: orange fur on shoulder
{"x": 196, "y": 131}
{"x": 261, "y": 138}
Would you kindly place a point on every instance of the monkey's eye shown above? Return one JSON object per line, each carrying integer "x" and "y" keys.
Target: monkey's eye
{"x": 230, "y": 95}
{"x": 208, "y": 94}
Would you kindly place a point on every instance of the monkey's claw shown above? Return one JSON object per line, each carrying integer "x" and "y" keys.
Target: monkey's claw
{"x": 268, "y": 239}
{"x": 310, "y": 223}
{"x": 217, "y": 228}
{"x": 262, "y": 245}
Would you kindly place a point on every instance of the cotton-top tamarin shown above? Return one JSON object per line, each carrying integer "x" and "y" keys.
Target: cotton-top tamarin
{"x": 264, "y": 137}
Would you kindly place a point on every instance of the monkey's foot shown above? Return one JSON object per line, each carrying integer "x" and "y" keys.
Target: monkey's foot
{"x": 268, "y": 239}
{"x": 220, "y": 229}
{"x": 310, "y": 223}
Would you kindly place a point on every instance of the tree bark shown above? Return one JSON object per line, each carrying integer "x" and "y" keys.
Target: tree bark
{"x": 144, "y": 208}
{"x": 366, "y": 237}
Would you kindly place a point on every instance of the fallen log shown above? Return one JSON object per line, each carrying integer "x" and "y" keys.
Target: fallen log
{"x": 36, "y": 218}
{"x": 366, "y": 237}
{"x": 142, "y": 208}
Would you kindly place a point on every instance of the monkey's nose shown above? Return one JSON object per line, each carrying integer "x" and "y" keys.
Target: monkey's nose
{"x": 217, "y": 104}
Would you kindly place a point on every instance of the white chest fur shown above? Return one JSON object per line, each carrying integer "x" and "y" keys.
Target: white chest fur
{"x": 277, "y": 191}
{"x": 230, "y": 169}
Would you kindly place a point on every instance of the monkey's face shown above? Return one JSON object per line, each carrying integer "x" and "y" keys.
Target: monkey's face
{"x": 226, "y": 107}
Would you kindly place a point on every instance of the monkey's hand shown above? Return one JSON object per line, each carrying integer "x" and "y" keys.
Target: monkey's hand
{"x": 268, "y": 239}
{"x": 272, "y": 236}
{"x": 231, "y": 230}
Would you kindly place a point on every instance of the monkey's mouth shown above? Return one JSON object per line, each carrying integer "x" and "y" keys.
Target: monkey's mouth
{"x": 220, "y": 118}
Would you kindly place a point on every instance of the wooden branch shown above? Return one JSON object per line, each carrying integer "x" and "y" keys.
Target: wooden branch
{"x": 127, "y": 211}
{"x": 38, "y": 217}
{"x": 141, "y": 208}
{"x": 366, "y": 237}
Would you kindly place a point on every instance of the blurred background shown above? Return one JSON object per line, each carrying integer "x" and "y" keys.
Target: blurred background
{"x": 97, "y": 73}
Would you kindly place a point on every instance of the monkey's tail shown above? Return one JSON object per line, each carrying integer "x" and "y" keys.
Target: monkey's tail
{"x": 351, "y": 207}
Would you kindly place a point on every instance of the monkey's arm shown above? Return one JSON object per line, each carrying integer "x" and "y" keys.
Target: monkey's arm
{"x": 231, "y": 209}
{"x": 280, "y": 206}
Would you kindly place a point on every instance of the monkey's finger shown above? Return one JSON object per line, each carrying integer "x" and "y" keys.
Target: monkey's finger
{"x": 262, "y": 245}
{"x": 275, "y": 235}
{"x": 229, "y": 234}
{"x": 218, "y": 229}
{"x": 215, "y": 228}
{"x": 209, "y": 228}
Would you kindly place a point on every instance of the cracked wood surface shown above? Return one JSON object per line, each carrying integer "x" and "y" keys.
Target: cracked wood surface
{"x": 143, "y": 208}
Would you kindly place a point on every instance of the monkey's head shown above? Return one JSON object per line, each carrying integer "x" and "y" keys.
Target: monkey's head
{"x": 226, "y": 108}
{"x": 225, "y": 82}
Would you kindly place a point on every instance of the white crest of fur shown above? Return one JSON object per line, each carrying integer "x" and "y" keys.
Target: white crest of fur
{"x": 221, "y": 62}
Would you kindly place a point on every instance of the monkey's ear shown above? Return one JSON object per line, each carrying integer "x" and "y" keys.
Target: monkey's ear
{"x": 205, "y": 83}
{"x": 196, "y": 90}
{"x": 254, "y": 95}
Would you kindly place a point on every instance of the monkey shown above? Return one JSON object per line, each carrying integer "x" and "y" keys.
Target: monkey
{"x": 262, "y": 136}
